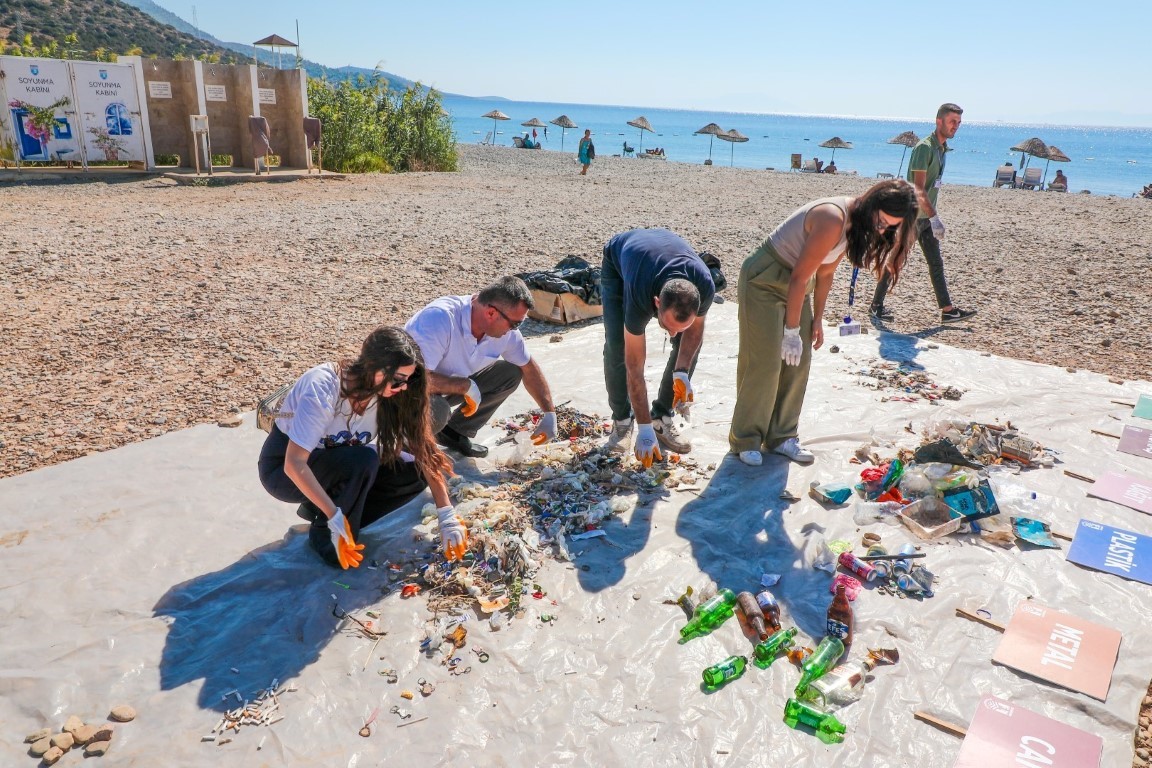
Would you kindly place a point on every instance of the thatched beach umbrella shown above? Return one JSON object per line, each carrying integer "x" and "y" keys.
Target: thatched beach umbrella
{"x": 643, "y": 124}
{"x": 1053, "y": 154}
{"x": 1033, "y": 147}
{"x": 834, "y": 144}
{"x": 733, "y": 137}
{"x": 712, "y": 131}
{"x": 495, "y": 115}
{"x": 564, "y": 124}
{"x": 906, "y": 139}
{"x": 534, "y": 123}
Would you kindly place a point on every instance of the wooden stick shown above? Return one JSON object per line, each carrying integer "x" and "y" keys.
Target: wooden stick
{"x": 1059, "y": 535}
{"x": 1122, "y": 402}
{"x": 412, "y": 722}
{"x": 1106, "y": 434}
{"x": 979, "y": 619}
{"x": 1078, "y": 476}
{"x": 943, "y": 725}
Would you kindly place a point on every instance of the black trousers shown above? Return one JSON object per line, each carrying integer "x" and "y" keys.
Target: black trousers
{"x": 930, "y": 247}
{"x": 497, "y": 382}
{"x": 353, "y": 476}
{"x": 615, "y": 372}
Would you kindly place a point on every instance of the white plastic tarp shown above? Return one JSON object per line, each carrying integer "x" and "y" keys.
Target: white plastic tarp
{"x": 162, "y": 576}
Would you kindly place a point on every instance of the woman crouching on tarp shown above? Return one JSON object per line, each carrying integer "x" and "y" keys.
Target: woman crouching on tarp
{"x": 782, "y": 291}
{"x": 353, "y": 441}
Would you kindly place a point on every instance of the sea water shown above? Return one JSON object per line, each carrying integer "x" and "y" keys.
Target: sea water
{"x": 1108, "y": 161}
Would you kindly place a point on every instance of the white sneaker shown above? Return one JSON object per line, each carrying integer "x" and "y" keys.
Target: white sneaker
{"x": 618, "y": 439}
{"x": 751, "y": 458}
{"x": 669, "y": 435}
{"x": 793, "y": 450}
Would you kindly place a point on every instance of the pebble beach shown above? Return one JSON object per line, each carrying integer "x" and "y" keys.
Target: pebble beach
{"x": 139, "y": 307}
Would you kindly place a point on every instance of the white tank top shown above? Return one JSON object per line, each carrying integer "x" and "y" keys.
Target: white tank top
{"x": 788, "y": 239}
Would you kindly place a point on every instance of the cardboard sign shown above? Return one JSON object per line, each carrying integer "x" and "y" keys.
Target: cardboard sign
{"x": 1004, "y": 734}
{"x": 1060, "y": 648}
{"x": 1112, "y": 550}
{"x": 1136, "y": 441}
{"x": 1143, "y": 407}
{"x": 1130, "y": 491}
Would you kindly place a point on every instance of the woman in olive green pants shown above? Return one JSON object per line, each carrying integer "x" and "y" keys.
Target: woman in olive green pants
{"x": 783, "y": 287}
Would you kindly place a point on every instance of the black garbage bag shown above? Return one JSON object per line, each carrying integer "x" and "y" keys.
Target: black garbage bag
{"x": 572, "y": 274}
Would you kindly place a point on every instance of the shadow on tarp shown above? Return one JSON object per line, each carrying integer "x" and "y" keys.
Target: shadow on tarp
{"x": 736, "y": 529}
{"x": 268, "y": 616}
{"x": 900, "y": 348}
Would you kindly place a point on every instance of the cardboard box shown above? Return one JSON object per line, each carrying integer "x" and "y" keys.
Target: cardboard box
{"x": 562, "y": 308}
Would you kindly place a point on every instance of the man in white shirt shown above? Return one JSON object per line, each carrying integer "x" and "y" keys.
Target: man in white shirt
{"x": 475, "y": 358}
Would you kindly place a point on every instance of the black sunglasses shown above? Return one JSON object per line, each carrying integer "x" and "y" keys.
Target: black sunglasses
{"x": 513, "y": 324}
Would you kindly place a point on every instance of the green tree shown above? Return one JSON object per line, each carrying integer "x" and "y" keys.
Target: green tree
{"x": 371, "y": 128}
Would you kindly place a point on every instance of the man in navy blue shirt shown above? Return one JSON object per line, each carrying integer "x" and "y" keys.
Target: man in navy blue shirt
{"x": 651, "y": 274}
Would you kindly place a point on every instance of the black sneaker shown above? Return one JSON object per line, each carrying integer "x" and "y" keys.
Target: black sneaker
{"x": 881, "y": 314}
{"x": 450, "y": 438}
{"x": 956, "y": 315}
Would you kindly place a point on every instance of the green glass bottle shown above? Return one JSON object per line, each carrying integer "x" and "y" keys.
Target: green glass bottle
{"x": 766, "y": 652}
{"x": 709, "y": 615}
{"x": 817, "y": 665}
{"x": 828, "y": 729}
{"x": 729, "y": 669}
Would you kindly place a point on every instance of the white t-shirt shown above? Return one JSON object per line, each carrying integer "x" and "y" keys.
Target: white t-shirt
{"x": 443, "y": 330}
{"x": 313, "y": 415}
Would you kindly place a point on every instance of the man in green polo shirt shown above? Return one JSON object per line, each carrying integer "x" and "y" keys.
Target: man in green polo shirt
{"x": 925, "y": 170}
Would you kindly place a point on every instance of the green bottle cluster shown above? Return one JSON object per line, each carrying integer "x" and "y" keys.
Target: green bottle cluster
{"x": 769, "y": 650}
{"x": 709, "y": 615}
{"x": 828, "y": 729}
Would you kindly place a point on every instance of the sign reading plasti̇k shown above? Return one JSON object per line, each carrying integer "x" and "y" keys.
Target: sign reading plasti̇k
{"x": 1130, "y": 491}
{"x": 1112, "y": 550}
{"x": 1003, "y": 734}
{"x": 1060, "y": 648}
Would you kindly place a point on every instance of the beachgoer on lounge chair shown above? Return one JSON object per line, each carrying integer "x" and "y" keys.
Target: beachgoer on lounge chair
{"x": 629, "y": 150}
{"x": 1058, "y": 184}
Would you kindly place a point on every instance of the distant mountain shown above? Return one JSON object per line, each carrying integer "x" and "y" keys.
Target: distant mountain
{"x": 118, "y": 26}
{"x": 263, "y": 54}
{"x": 107, "y": 25}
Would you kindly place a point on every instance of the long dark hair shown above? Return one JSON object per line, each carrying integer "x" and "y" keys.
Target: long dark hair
{"x": 882, "y": 252}
{"x": 403, "y": 421}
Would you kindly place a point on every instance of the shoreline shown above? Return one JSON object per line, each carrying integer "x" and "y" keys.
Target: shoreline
{"x": 183, "y": 305}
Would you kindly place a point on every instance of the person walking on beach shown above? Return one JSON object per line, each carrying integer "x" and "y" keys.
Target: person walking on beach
{"x": 353, "y": 441}
{"x": 782, "y": 291}
{"x": 476, "y": 358}
{"x": 646, "y": 274}
{"x": 587, "y": 152}
{"x": 925, "y": 170}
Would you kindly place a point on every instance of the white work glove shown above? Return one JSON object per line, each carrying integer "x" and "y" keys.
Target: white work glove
{"x": 471, "y": 399}
{"x": 937, "y": 227}
{"x": 452, "y": 533}
{"x": 545, "y": 431}
{"x": 792, "y": 346}
{"x": 647, "y": 448}
{"x": 682, "y": 393}
{"x": 347, "y": 550}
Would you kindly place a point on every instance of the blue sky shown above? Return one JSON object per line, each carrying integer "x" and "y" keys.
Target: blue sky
{"x": 1056, "y": 62}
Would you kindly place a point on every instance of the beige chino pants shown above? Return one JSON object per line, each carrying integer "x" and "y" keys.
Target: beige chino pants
{"x": 769, "y": 394}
